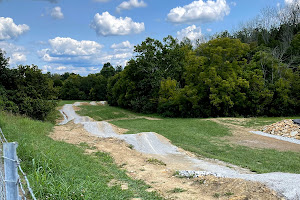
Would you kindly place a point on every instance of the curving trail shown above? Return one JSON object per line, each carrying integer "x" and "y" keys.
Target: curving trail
{"x": 285, "y": 184}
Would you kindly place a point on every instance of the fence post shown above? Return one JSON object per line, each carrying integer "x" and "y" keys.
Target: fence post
{"x": 11, "y": 170}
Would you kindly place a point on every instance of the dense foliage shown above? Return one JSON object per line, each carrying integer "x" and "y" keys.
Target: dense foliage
{"x": 92, "y": 87}
{"x": 26, "y": 90}
{"x": 255, "y": 71}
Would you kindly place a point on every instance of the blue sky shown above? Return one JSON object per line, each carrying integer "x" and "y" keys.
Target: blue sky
{"x": 81, "y": 35}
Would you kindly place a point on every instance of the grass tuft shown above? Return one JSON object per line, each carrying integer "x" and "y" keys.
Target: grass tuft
{"x": 155, "y": 161}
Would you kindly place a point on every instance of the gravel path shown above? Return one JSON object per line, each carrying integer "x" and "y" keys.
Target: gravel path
{"x": 278, "y": 137}
{"x": 285, "y": 184}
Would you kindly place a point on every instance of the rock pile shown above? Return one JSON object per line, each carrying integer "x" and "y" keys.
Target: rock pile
{"x": 285, "y": 128}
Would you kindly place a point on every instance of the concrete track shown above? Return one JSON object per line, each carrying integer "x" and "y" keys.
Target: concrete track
{"x": 285, "y": 184}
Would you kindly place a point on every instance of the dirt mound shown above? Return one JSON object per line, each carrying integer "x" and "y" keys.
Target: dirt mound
{"x": 286, "y": 128}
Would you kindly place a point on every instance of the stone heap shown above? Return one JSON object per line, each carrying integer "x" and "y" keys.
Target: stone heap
{"x": 286, "y": 128}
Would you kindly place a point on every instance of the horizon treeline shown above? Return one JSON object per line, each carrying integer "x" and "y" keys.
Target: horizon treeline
{"x": 254, "y": 71}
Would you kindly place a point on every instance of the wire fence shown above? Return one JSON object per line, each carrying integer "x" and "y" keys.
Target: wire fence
{"x": 11, "y": 187}
{"x": 2, "y": 183}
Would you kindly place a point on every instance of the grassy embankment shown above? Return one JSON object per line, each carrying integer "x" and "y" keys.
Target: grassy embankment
{"x": 204, "y": 138}
{"x": 58, "y": 170}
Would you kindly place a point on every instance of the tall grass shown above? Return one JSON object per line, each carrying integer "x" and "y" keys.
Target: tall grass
{"x": 58, "y": 170}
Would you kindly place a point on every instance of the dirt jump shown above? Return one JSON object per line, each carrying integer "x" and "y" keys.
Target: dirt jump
{"x": 152, "y": 158}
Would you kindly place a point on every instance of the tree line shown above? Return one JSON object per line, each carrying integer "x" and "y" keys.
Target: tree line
{"x": 26, "y": 90}
{"x": 254, "y": 71}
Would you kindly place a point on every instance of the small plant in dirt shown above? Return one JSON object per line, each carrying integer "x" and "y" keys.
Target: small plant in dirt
{"x": 200, "y": 181}
{"x": 216, "y": 195}
{"x": 156, "y": 161}
{"x": 228, "y": 194}
{"x": 177, "y": 190}
{"x": 130, "y": 146}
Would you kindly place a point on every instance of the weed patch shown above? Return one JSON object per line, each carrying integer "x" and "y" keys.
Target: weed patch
{"x": 155, "y": 161}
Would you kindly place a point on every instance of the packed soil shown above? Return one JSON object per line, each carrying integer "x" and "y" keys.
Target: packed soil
{"x": 242, "y": 136}
{"x": 159, "y": 171}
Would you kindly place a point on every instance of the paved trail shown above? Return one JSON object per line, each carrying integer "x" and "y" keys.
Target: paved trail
{"x": 285, "y": 184}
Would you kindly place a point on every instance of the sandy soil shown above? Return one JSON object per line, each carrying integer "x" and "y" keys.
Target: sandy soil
{"x": 242, "y": 136}
{"x": 161, "y": 177}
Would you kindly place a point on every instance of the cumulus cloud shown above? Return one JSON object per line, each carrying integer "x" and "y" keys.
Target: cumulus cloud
{"x": 56, "y": 13}
{"x": 70, "y": 50}
{"x": 60, "y": 69}
{"x": 191, "y": 32}
{"x": 106, "y": 24}
{"x": 9, "y": 30}
{"x": 126, "y": 45}
{"x": 16, "y": 54}
{"x": 128, "y": 5}
{"x": 84, "y": 57}
{"x": 200, "y": 11}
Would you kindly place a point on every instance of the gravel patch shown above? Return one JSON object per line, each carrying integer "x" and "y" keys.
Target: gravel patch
{"x": 284, "y": 183}
{"x": 278, "y": 137}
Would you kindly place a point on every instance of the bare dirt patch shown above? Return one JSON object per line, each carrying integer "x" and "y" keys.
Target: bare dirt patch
{"x": 161, "y": 177}
{"x": 119, "y": 130}
{"x": 152, "y": 118}
{"x": 77, "y": 108}
{"x": 242, "y": 136}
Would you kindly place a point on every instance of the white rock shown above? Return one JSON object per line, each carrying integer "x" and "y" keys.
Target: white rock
{"x": 294, "y": 133}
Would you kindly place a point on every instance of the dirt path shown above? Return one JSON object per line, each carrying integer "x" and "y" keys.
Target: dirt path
{"x": 242, "y": 136}
{"x": 152, "y": 158}
{"x": 161, "y": 177}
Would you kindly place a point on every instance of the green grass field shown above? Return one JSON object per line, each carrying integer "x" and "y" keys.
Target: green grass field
{"x": 58, "y": 170}
{"x": 204, "y": 138}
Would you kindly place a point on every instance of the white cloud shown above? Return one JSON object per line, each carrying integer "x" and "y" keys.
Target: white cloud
{"x": 292, "y": 2}
{"x": 56, "y": 13}
{"x": 70, "y": 50}
{"x": 106, "y": 24}
{"x": 70, "y": 47}
{"x": 60, "y": 68}
{"x": 9, "y": 30}
{"x": 191, "y": 32}
{"x": 233, "y": 3}
{"x": 46, "y": 68}
{"x": 122, "y": 46}
{"x": 200, "y": 11}
{"x": 16, "y": 54}
{"x": 84, "y": 57}
{"x": 18, "y": 57}
{"x": 128, "y": 5}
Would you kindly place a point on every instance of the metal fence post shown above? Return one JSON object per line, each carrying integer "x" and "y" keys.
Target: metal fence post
{"x": 11, "y": 170}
